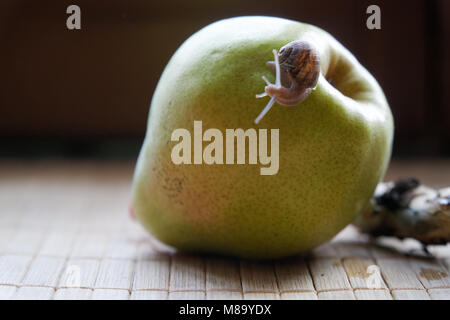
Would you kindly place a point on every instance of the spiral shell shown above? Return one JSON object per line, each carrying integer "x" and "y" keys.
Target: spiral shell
{"x": 297, "y": 71}
{"x": 302, "y": 62}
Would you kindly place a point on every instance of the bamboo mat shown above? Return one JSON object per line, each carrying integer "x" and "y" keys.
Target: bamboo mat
{"x": 65, "y": 234}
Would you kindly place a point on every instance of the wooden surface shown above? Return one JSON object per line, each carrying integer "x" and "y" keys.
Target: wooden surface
{"x": 65, "y": 233}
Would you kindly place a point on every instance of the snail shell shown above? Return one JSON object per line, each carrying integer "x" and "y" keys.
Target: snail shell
{"x": 301, "y": 62}
{"x": 297, "y": 70}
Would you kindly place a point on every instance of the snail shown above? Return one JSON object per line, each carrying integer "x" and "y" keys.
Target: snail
{"x": 297, "y": 70}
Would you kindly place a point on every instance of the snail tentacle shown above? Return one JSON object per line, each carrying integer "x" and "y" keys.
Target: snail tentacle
{"x": 261, "y": 95}
{"x": 266, "y": 109}
{"x": 277, "y": 84}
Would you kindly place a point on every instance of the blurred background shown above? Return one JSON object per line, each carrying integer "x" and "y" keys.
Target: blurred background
{"x": 86, "y": 93}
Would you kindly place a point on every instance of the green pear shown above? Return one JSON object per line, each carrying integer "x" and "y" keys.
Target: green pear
{"x": 334, "y": 146}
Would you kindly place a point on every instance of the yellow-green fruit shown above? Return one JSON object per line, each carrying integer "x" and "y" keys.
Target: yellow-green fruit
{"x": 334, "y": 147}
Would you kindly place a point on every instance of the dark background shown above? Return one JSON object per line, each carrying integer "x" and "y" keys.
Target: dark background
{"x": 87, "y": 92}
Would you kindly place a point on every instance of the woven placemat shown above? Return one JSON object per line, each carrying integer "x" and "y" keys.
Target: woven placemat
{"x": 65, "y": 233}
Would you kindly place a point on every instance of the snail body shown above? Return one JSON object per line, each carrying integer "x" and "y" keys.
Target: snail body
{"x": 297, "y": 70}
